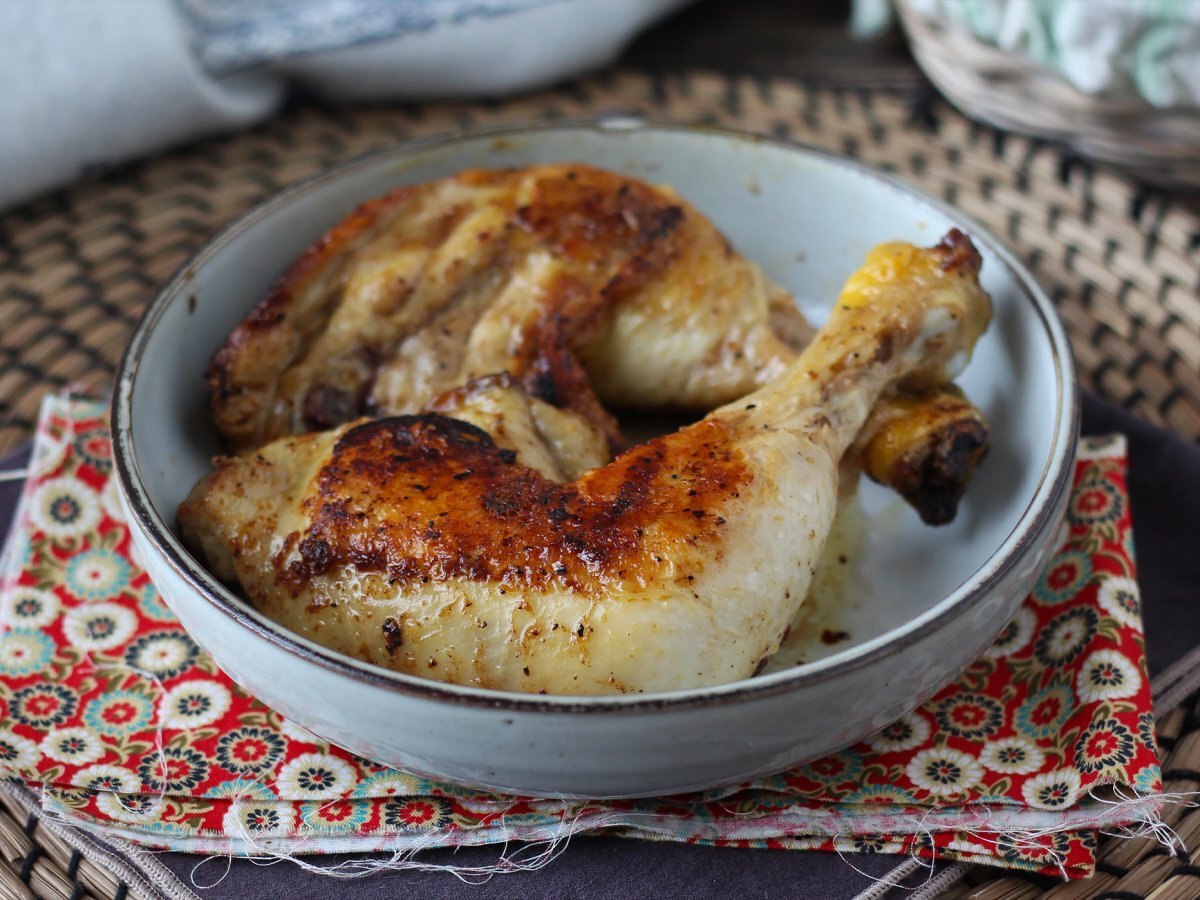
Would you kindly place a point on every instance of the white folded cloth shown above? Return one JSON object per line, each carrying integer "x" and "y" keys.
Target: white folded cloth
{"x": 91, "y": 83}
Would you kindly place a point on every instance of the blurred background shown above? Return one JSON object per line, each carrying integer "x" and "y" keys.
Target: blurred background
{"x": 92, "y": 83}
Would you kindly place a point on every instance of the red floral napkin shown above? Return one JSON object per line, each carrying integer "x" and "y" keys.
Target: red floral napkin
{"x": 131, "y": 729}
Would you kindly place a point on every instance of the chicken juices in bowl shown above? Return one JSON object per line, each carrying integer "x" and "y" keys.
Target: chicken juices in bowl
{"x": 521, "y": 564}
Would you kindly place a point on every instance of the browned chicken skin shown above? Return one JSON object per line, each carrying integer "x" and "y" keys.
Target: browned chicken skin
{"x": 425, "y": 544}
{"x": 593, "y": 289}
{"x": 925, "y": 447}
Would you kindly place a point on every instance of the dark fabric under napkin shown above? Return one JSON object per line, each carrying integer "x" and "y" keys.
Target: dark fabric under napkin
{"x": 1164, "y": 491}
{"x": 1164, "y": 482}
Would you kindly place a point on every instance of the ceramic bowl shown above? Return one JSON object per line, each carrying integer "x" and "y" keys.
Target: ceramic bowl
{"x": 924, "y": 602}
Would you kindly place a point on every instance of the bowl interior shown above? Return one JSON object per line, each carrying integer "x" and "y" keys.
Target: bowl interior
{"x": 808, "y": 219}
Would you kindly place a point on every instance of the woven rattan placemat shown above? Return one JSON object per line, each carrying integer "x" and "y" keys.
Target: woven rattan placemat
{"x": 77, "y": 268}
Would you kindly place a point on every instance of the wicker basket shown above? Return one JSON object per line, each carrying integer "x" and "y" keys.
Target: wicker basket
{"x": 1159, "y": 146}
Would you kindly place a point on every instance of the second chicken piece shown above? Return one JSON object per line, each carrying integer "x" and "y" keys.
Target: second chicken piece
{"x": 594, "y": 290}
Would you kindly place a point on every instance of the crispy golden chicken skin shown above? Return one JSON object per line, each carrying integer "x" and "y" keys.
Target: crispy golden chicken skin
{"x": 422, "y": 543}
{"x": 925, "y": 447}
{"x": 501, "y": 271}
{"x": 593, "y": 289}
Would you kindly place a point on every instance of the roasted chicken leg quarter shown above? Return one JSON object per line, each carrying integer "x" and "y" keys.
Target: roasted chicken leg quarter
{"x": 435, "y": 547}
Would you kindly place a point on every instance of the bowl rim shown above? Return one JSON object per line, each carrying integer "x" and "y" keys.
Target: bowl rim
{"x": 1038, "y": 515}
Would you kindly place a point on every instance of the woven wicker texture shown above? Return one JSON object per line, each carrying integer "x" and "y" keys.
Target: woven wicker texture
{"x": 1009, "y": 90}
{"x": 78, "y": 267}
{"x": 37, "y": 863}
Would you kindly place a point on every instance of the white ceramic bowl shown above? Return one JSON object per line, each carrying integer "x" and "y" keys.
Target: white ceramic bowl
{"x": 929, "y": 600}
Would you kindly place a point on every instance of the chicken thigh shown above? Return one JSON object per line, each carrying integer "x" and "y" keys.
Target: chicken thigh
{"x": 594, "y": 289}
{"x": 421, "y": 543}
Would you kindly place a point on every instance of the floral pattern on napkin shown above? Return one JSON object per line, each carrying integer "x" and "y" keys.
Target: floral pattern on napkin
{"x": 132, "y": 729}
